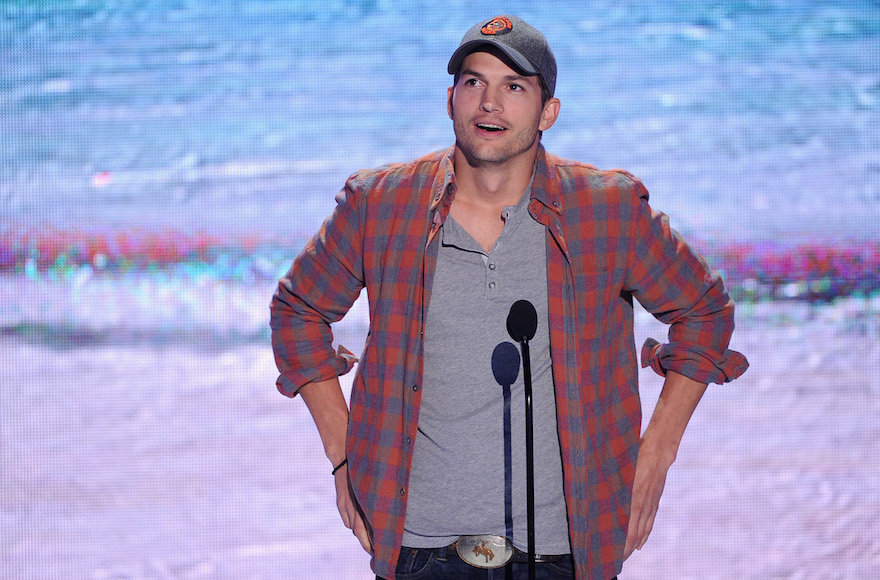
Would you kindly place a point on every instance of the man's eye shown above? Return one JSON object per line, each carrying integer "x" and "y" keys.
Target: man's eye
{"x": 515, "y": 87}
{"x": 471, "y": 82}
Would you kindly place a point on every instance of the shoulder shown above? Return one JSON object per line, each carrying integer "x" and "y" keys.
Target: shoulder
{"x": 393, "y": 176}
{"x": 583, "y": 179}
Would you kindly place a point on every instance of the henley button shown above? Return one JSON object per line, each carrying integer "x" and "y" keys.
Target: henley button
{"x": 492, "y": 266}
{"x": 491, "y": 285}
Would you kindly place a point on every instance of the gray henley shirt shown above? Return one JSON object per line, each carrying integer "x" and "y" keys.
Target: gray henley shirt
{"x": 463, "y": 481}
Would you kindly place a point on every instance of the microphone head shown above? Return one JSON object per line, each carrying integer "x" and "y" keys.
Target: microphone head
{"x": 522, "y": 322}
{"x": 505, "y": 363}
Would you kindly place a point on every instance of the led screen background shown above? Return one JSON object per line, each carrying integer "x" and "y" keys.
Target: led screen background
{"x": 161, "y": 163}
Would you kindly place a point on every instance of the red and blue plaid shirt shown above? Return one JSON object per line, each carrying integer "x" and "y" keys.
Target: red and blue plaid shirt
{"x": 605, "y": 247}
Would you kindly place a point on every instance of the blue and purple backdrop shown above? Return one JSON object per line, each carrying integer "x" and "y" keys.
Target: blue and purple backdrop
{"x": 162, "y": 162}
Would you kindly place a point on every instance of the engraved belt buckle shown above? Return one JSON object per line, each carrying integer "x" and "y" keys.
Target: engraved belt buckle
{"x": 485, "y": 551}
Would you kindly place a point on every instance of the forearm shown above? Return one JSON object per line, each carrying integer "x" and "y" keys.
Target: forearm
{"x": 659, "y": 446}
{"x": 676, "y": 405}
{"x": 330, "y": 414}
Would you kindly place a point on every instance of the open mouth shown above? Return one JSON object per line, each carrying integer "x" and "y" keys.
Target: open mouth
{"x": 490, "y": 127}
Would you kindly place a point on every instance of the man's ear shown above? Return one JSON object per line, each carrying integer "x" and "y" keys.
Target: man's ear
{"x": 549, "y": 114}
{"x": 449, "y": 92}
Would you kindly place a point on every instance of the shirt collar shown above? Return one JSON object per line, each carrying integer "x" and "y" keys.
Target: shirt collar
{"x": 444, "y": 186}
{"x": 545, "y": 188}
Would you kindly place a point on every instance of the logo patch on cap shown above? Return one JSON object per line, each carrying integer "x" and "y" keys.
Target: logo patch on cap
{"x": 498, "y": 25}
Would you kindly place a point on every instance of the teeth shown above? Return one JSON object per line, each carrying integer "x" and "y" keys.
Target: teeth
{"x": 489, "y": 127}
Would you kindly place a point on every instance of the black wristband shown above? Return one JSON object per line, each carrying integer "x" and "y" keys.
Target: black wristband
{"x": 338, "y": 467}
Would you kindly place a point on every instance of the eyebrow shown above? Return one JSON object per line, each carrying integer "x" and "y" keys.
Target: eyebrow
{"x": 506, "y": 78}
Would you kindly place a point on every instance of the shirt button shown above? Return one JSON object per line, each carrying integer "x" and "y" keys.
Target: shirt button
{"x": 408, "y": 440}
{"x": 402, "y": 491}
{"x": 492, "y": 266}
{"x": 415, "y": 388}
{"x": 491, "y": 285}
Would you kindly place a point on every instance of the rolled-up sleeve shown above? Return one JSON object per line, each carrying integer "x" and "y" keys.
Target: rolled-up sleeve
{"x": 676, "y": 285}
{"x": 318, "y": 290}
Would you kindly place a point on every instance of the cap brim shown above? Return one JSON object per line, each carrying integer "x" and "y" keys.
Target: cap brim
{"x": 522, "y": 64}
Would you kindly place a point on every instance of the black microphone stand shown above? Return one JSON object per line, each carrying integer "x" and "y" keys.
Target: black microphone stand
{"x": 522, "y": 323}
{"x": 530, "y": 456}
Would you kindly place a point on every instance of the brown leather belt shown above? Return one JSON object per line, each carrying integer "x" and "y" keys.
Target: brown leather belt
{"x": 486, "y": 551}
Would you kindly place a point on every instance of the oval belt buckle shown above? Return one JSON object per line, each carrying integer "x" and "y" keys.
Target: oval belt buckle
{"x": 485, "y": 551}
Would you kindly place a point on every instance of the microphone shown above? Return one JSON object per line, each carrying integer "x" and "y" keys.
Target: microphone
{"x": 505, "y": 369}
{"x": 522, "y": 324}
{"x": 522, "y": 321}
{"x": 505, "y": 364}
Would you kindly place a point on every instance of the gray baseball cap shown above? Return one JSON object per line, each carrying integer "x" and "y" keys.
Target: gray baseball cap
{"x": 517, "y": 39}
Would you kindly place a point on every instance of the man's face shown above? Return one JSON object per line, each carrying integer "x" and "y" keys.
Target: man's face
{"x": 497, "y": 112}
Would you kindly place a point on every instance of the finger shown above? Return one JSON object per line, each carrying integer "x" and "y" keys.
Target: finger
{"x": 344, "y": 512}
{"x": 362, "y": 534}
{"x": 649, "y": 526}
{"x": 344, "y": 504}
{"x": 641, "y": 530}
{"x": 631, "y": 533}
{"x": 630, "y": 546}
{"x": 640, "y": 525}
{"x": 347, "y": 518}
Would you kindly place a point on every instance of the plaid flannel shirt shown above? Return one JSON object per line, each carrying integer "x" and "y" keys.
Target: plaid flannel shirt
{"x": 605, "y": 247}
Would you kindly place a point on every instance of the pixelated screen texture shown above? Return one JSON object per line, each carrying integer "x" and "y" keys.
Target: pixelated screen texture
{"x": 161, "y": 164}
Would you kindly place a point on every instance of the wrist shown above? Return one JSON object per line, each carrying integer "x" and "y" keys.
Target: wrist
{"x": 339, "y": 466}
{"x": 335, "y": 451}
{"x": 662, "y": 449}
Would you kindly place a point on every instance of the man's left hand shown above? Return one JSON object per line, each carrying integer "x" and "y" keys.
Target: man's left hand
{"x": 657, "y": 451}
{"x": 650, "y": 480}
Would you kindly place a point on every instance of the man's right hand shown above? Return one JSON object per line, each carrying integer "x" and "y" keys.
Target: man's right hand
{"x": 350, "y": 511}
{"x": 330, "y": 412}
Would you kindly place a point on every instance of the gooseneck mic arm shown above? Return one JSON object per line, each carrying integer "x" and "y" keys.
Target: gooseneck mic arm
{"x": 522, "y": 324}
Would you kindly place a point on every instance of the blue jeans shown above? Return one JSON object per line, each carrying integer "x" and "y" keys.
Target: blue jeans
{"x": 445, "y": 564}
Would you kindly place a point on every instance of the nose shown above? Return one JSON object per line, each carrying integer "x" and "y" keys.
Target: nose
{"x": 490, "y": 101}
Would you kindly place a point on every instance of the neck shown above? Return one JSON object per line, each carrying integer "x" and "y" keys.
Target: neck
{"x": 493, "y": 184}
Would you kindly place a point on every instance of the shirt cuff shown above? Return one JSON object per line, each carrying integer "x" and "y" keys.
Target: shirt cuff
{"x": 291, "y": 382}
{"x": 700, "y": 364}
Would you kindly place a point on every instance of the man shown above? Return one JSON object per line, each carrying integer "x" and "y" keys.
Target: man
{"x": 428, "y": 462}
